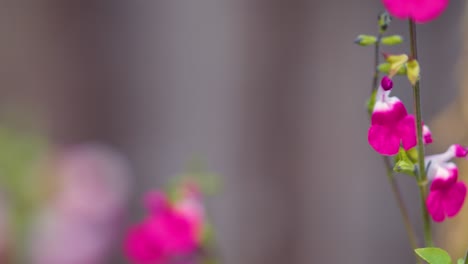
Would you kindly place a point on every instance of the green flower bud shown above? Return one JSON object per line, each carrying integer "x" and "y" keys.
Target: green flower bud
{"x": 403, "y": 164}
{"x": 413, "y": 71}
{"x": 392, "y": 40}
{"x": 365, "y": 40}
{"x": 385, "y": 68}
{"x": 384, "y": 20}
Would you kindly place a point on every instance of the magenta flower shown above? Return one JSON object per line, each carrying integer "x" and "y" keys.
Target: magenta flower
{"x": 447, "y": 194}
{"x": 172, "y": 230}
{"x": 421, "y": 11}
{"x": 391, "y": 125}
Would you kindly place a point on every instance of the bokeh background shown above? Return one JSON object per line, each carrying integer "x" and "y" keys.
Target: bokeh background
{"x": 270, "y": 93}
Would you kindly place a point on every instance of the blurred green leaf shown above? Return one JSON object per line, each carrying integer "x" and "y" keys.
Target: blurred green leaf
{"x": 371, "y": 102}
{"x": 434, "y": 255}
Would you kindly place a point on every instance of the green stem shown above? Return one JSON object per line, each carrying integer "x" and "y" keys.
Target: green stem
{"x": 389, "y": 168}
{"x": 375, "y": 79}
{"x": 401, "y": 205}
{"x": 466, "y": 258}
{"x": 420, "y": 147}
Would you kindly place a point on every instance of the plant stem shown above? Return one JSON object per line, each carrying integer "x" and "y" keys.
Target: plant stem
{"x": 466, "y": 258}
{"x": 420, "y": 147}
{"x": 389, "y": 168}
{"x": 375, "y": 79}
{"x": 401, "y": 205}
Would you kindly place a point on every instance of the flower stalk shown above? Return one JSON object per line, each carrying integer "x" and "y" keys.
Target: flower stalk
{"x": 388, "y": 164}
{"x": 421, "y": 176}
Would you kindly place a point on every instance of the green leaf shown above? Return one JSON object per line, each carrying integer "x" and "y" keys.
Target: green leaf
{"x": 460, "y": 261}
{"x": 371, "y": 102}
{"x": 434, "y": 255}
{"x": 365, "y": 40}
{"x": 391, "y": 40}
{"x": 403, "y": 164}
{"x": 385, "y": 68}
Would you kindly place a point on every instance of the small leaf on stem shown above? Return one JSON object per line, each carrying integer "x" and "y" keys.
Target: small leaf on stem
{"x": 434, "y": 255}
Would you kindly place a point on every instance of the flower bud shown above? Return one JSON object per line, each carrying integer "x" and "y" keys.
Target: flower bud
{"x": 413, "y": 71}
{"x": 386, "y": 83}
{"x": 396, "y": 63}
{"x": 365, "y": 40}
{"x": 392, "y": 40}
{"x": 384, "y": 20}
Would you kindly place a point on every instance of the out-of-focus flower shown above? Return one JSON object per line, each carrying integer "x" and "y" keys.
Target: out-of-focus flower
{"x": 171, "y": 231}
{"x": 391, "y": 125}
{"x": 80, "y": 224}
{"x": 421, "y": 11}
{"x": 447, "y": 194}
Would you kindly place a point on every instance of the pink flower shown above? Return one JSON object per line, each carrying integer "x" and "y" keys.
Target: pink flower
{"x": 420, "y": 11}
{"x": 170, "y": 231}
{"x": 447, "y": 194}
{"x": 92, "y": 191}
{"x": 391, "y": 125}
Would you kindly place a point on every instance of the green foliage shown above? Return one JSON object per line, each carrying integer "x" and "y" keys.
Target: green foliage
{"x": 403, "y": 164}
{"x": 371, "y": 102}
{"x": 460, "y": 261}
{"x": 434, "y": 255}
{"x": 385, "y": 68}
{"x": 365, "y": 40}
{"x": 391, "y": 40}
{"x": 19, "y": 155}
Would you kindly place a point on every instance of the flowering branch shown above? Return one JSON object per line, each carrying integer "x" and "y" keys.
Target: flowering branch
{"x": 384, "y": 21}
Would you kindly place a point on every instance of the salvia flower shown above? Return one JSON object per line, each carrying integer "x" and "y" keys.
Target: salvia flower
{"x": 391, "y": 125}
{"x": 421, "y": 11}
{"x": 172, "y": 230}
{"x": 447, "y": 194}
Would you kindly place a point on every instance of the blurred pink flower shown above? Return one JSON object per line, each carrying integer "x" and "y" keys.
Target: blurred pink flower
{"x": 80, "y": 224}
{"x": 421, "y": 11}
{"x": 170, "y": 230}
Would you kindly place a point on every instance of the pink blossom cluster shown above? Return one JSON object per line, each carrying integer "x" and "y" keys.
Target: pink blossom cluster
{"x": 393, "y": 128}
{"x": 171, "y": 232}
{"x": 80, "y": 223}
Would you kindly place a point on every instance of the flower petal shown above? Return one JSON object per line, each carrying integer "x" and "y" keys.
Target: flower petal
{"x": 454, "y": 198}
{"x": 383, "y": 140}
{"x": 407, "y": 132}
{"x": 427, "y": 135}
{"x": 388, "y": 112}
{"x": 421, "y": 11}
{"x": 445, "y": 176}
{"x": 138, "y": 248}
{"x": 435, "y": 206}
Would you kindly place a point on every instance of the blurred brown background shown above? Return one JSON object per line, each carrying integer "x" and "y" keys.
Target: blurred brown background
{"x": 270, "y": 93}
